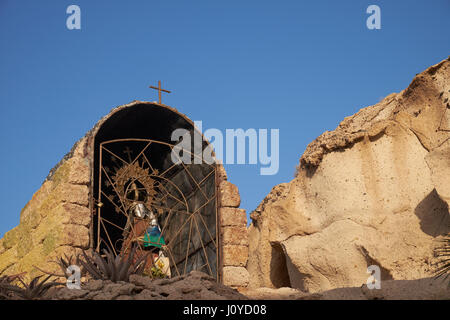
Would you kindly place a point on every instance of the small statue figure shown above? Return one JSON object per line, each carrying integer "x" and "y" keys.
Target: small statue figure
{"x": 142, "y": 226}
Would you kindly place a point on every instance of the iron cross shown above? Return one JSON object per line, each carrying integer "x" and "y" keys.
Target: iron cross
{"x": 159, "y": 90}
{"x": 128, "y": 151}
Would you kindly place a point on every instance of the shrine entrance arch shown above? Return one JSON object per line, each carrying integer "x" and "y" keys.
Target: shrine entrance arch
{"x": 136, "y": 180}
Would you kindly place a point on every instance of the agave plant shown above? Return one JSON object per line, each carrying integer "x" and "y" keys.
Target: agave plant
{"x": 114, "y": 268}
{"x": 65, "y": 262}
{"x": 34, "y": 290}
{"x": 443, "y": 252}
{"x": 5, "y": 284}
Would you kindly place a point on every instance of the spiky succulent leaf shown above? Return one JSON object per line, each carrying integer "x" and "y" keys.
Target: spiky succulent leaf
{"x": 112, "y": 267}
{"x": 90, "y": 266}
{"x": 32, "y": 291}
{"x": 443, "y": 253}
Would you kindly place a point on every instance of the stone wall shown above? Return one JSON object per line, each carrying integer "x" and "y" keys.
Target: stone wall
{"x": 54, "y": 222}
{"x": 58, "y": 219}
{"x": 233, "y": 236}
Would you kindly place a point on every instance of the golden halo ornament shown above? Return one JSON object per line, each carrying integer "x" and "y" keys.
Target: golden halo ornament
{"x": 134, "y": 172}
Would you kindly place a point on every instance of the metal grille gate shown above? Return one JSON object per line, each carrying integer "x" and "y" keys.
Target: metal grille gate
{"x": 182, "y": 196}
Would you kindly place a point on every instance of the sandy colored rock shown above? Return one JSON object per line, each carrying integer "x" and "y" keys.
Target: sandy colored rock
{"x": 421, "y": 289}
{"x": 75, "y": 236}
{"x": 229, "y": 195}
{"x": 438, "y": 161}
{"x": 221, "y": 173}
{"x": 421, "y": 108}
{"x": 232, "y": 217}
{"x": 81, "y": 148}
{"x": 235, "y": 235}
{"x": 235, "y": 255}
{"x": 235, "y": 276}
{"x": 76, "y": 214}
{"x": 264, "y": 293}
{"x": 71, "y": 193}
{"x": 79, "y": 171}
{"x": 371, "y": 192}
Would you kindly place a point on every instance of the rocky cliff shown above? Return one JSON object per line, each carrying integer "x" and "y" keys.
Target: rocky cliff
{"x": 375, "y": 191}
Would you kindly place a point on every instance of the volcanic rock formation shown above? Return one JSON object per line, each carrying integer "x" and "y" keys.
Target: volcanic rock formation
{"x": 375, "y": 191}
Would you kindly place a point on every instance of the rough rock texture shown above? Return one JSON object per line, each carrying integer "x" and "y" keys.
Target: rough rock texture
{"x": 55, "y": 221}
{"x": 229, "y": 195}
{"x": 438, "y": 161}
{"x": 375, "y": 191}
{"x": 196, "y": 285}
{"x": 422, "y": 289}
{"x": 233, "y": 237}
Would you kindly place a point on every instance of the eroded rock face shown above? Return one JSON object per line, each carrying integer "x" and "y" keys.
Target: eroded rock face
{"x": 193, "y": 286}
{"x": 438, "y": 161}
{"x": 372, "y": 192}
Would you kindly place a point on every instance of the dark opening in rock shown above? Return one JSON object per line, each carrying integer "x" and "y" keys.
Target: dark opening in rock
{"x": 278, "y": 269}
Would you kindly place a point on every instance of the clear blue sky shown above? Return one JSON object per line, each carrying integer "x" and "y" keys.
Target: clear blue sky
{"x": 299, "y": 66}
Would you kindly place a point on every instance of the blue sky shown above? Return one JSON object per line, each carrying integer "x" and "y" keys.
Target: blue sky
{"x": 298, "y": 66}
